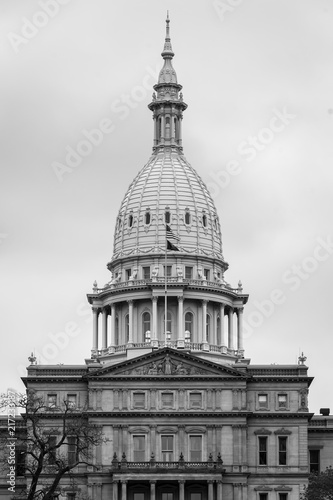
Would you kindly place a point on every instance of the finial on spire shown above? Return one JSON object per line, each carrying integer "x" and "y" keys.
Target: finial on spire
{"x": 167, "y": 51}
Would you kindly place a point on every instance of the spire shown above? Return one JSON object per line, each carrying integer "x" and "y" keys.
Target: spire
{"x": 167, "y": 50}
{"x": 167, "y": 104}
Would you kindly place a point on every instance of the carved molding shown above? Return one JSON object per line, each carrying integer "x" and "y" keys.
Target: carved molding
{"x": 262, "y": 432}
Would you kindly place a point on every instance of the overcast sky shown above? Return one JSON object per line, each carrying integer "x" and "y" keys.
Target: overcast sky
{"x": 257, "y": 77}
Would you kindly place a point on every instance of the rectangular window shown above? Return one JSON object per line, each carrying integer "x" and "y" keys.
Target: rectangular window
{"x": 167, "y": 448}
{"x": 139, "y": 448}
{"x": 139, "y": 496}
{"x": 146, "y": 273}
{"x": 20, "y": 461}
{"x": 71, "y": 451}
{"x": 195, "y": 400}
{"x": 167, "y": 496}
{"x": 282, "y": 401}
{"x": 262, "y": 450}
{"x": 51, "y": 400}
{"x": 282, "y": 450}
{"x": 195, "y": 496}
{"x": 167, "y": 399}
{"x": 128, "y": 274}
{"x": 263, "y": 400}
{"x": 195, "y": 448}
{"x": 139, "y": 400}
{"x": 52, "y": 453}
{"x": 71, "y": 400}
{"x": 207, "y": 274}
{"x": 169, "y": 271}
{"x": 263, "y": 496}
{"x": 71, "y": 496}
{"x": 314, "y": 460}
{"x": 188, "y": 272}
{"x": 283, "y": 496}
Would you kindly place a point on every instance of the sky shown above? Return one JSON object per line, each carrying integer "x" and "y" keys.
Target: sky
{"x": 257, "y": 76}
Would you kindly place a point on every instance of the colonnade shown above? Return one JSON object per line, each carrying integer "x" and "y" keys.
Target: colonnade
{"x": 226, "y": 335}
{"x": 181, "y": 488}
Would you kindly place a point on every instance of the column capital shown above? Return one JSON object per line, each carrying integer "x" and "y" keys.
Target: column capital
{"x": 130, "y": 301}
{"x": 152, "y": 481}
{"x": 154, "y": 298}
{"x": 181, "y": 481}
{"x": 95, "y": 309}
{"x": 204, "y": 301}
{"x": 240, "y": 310}
{"x": 124, "y": 481}
{"x": 180, "y": 298}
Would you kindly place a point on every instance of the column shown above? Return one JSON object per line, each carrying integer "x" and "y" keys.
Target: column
{"x": 223, "y": 339}
{"x": 155, "y": 130}
{"x": 210, "y": 489}
{"x": 230, "y": 328}
{"x": 115, "y": 490}
{"x": 95, "y": 328}
{"x": 113, "y": 324}
{"x": 204, "y": 320}
{"x": 181, "y": 339}
{"x": 104, "y": 328}
{"x": 214, "y": 327}
{"x": 154, "y": 323}
{"x": 123, "y": 489}
{"x": 130, "y": 320}
{"x": 240, "y": 345}
{"x": 219, "y": 490}
{"x": 163, "y": 127}
{"x": 181, "y": 489}
{"x": 152, "y": 490}
{"x": 180, "y": 142}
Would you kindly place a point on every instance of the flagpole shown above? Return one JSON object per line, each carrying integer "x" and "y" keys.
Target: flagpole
{"x": 165, "y": 291}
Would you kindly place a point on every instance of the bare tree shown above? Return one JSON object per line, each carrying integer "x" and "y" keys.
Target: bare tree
{"x": 54, "y": 440}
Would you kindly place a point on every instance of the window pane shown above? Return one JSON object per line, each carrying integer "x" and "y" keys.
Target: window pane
{"x": 263, "y": 496}
{"x": 195, "y": 400}
{"x": 263, "y": 451}
{"x": 188, "y": 272}
{"x": 146, "y": 273}
{"x": 51, "y": 400}
{"x": 195, "y": 448}
{"x": 282, "y": 451}
{"x": 282, "y": 398}
{"x": 314, "y": 460}
{"x": 139, "y": 448}
{"x": 167, "y": 399}
{"x": 71, "y": 400}
{"x": 167, "y": 448}
{"x": 139, "y": 496}
{"x": 283, "y": 496}
{"x": 139, "y": 400}
{"x": 195, "y": 496}
{"x": 167, "y": 496}
{"x": 53, "y": 453}
{"x": 71, "y": 452}
{"x": 262, "y": 398}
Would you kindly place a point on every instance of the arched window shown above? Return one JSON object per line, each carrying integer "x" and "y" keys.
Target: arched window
{"x": 176, "y": 129}
{"x": 146, "y": 326}
{"x": 187, "y": 217}
{"x": 147, "y": 216}
{"x": 130, "y": 220}
{"x": 218, "y": 330}
{"x": 207, "y": 327}
{"x": 127, "y": 328}
{"x": 168, "y": 325}
{"x": 167, "y": 216}
{"x": 204, "y": 220}
{"x": 188, "y": 326}
{"x": 159, "y": 128}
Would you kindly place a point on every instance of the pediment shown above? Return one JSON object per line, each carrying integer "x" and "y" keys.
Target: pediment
{"x": 167, "y": 362}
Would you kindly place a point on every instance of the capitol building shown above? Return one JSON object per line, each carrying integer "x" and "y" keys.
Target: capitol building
{"x": 185, "y": 413}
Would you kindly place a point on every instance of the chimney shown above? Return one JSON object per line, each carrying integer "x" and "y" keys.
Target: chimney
{"x": 324, "y": 411}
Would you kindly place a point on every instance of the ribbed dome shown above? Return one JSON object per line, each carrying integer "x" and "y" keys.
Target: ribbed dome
{"x": 167, "y": 186}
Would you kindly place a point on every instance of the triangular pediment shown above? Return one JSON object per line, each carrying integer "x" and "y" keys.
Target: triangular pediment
{"x": 168, "y": 362}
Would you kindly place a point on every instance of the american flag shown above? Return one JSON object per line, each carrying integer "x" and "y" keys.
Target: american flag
{"x": 170, "y": 234}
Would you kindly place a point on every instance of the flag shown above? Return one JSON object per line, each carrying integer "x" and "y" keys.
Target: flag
{"x": 170, "y": 246}
{"x": 170, "y": 235}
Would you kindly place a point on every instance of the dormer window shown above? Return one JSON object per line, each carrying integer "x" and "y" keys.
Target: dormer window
{"x": 147, "y": 216}
{"x": 167, "y": 216}
{"x": 187, "y": 217}
{"x": 130, "y": 220}
{"x": 204, "y": 220}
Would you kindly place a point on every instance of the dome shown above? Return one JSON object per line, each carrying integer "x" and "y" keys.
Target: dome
{"x": 167, "y": 191}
